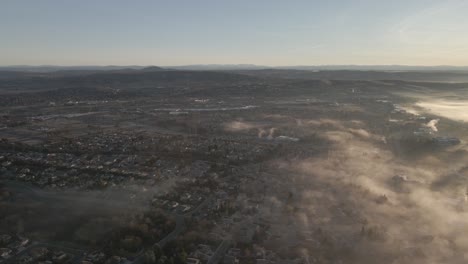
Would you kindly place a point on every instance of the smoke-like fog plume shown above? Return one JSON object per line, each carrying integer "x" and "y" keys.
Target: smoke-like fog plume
{"x": 370, "y": 203}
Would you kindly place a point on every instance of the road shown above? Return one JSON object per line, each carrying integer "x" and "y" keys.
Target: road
{"x": 220, "y": 251}
{"x": 180, "y": 227}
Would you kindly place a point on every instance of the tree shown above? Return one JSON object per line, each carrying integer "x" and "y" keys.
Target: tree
{"x": 158, "y": 253}
{"x": 149, "y": 257}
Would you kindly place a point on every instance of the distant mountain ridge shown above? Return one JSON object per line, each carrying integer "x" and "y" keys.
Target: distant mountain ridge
{"x": 53, "y": 68}
{"x": 322, "y": 67}
{"x": 378, "y": 68}
{"x": 222, "y": 67}
{"x": 152, "y": 73}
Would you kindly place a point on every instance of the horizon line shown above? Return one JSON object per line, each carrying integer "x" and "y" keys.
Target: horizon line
{"x": 228, "y": 64}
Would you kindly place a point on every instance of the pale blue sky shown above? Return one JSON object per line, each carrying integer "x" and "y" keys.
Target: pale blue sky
{"x": 265, "y": 32}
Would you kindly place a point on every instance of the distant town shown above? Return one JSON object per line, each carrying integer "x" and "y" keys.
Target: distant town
{"x": 164, "y": 165}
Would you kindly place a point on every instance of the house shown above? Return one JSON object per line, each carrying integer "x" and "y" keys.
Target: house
{"x": 446, "y": 141}
{"x": 192, "y": 261}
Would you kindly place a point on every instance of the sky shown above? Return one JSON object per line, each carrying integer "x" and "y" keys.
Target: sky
{"x": 262, "y": 32}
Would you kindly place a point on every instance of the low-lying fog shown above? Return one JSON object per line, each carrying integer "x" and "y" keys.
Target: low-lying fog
{"x": 451, "y": 104}
{"x": 369, "y": 201}
{"x": 361, "y": 200}
{"x": 452, "y": 109}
